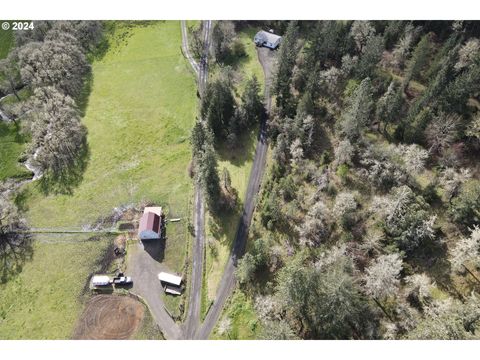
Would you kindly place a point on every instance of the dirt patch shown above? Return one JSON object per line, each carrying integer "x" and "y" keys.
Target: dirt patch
{"x": 110, "y": 317}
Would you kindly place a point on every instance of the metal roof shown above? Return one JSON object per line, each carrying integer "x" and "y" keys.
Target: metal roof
{"x": 267, "y": 36}
{"x": 149, "y": 221}
{"x": 170, "y": 278}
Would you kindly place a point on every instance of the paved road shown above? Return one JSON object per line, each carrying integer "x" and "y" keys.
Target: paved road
{"x": 143, "y": 265}
{"x": 227, "y": 283}
{"x": 192, "y": 321}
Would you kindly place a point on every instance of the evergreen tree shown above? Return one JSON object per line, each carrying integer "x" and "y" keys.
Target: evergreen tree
{"x": 418, "y": 60}
{"x": 389, "y": 106}
{"x": 325, "y": 299}
{"x": 252, "y": 108}
{"x": 209, "y": 178}
{"x": 371, "y": 55}
{"x": 286, "y": 61}
{"x": 357, "y": 114}
{"x": 218, "y": 107}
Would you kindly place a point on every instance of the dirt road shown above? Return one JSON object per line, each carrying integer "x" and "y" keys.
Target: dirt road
{"x": 192, "y": 321}
{"x": 227, "y": 283}
{"x": 143, "y": 265}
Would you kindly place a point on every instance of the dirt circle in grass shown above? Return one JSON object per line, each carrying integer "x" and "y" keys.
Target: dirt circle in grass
{"x": 109, "y": 317}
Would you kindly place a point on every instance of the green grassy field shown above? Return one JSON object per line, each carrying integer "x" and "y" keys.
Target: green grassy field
{"x": 139, "y": 113}
{"x": 45, "y": 299}
{"x": 12, "y": 145}
{"x": 244, "y": 322}
{"x": 250, "y": 65}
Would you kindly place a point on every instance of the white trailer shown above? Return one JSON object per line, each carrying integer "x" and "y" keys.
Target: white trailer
{"x": 171, "y": 283}
{"x": 170, "y": 278}
{"x": 101, "y": 280}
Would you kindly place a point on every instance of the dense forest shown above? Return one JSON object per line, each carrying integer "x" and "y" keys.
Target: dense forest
{"x": 368, "y": 222}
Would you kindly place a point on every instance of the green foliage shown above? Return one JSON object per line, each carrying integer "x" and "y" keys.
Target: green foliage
{"x": 371, "y": 55}
{"x": 389, "y": 106}
{"x": 408, "y": 220}
{"x": 465, "y": 208}
{"x": 218, "y": 106}
{"x": 287, "y": 187}
{"x": 6, "y": 42}
{"x": 418, "y": 60}
{"x": 342, "y": 171}
{"x": 246, "y": 268}
{"x": 252, "y": 109}
{"x": 325, "y": 300}
{"x": 271, "y": 212}
{"x": 430, "y": 194}
{"x": 357, "y": 114}
{"x": 414, "y": 131}
{"x": 464, "y": 86}
{"x": 286, "y": 60}
{"x": 209, "y": 179}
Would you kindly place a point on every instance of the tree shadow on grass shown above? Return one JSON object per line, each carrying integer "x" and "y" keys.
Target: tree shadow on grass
{"x": 242, "y": 153}
{"x": 21, "y": 199}
{"x": 84, "y": 96}
{"x": 68, "y": 179}
{"x": 431, "y": 258}
{"x": 15, "y": 250}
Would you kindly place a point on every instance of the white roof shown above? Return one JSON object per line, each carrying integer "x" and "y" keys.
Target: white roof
{"x": 268, "y": 36}
{"x": 153, "y": 209}
{"x": 170, "y": 278}
{"x": 173, "y": 290}
{"x": 100, "y": 280}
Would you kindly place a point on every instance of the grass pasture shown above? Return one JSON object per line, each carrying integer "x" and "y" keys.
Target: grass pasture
{"x": 139, "y": 113}
{"x": 45, "y": 299}
{"x": 244, "y": 322}
{"x": 12, "y": 144}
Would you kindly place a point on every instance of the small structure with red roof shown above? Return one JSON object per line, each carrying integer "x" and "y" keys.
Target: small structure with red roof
{"x": 151, "y": 224}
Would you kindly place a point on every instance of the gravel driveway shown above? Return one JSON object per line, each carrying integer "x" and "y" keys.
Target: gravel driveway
{"x": 143, "y": 265}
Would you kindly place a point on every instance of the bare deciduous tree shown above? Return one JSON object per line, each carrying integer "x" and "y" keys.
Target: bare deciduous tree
{"x": 58, "y": 136}
{"x": 466, "y": 250}
{"x": 59, "y": 63}
{"x": 15, "y": 242}
{"x": 382, "y": 277}
{"x": 442, "y": 131}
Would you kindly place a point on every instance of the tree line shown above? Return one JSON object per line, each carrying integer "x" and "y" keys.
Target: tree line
{"x": 223, "y": 119}
{"x": 45, "y": 71}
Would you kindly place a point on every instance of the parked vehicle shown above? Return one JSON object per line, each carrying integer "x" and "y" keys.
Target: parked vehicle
{"x": 121, "y": 279}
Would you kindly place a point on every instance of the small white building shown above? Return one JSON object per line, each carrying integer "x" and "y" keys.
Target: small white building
{"x": 267, "y": 39}
{"x": 171, "y": 283}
